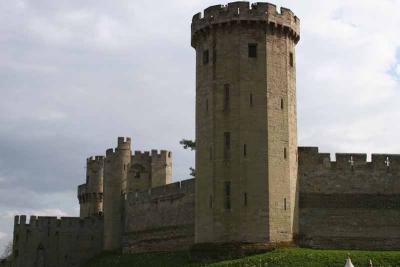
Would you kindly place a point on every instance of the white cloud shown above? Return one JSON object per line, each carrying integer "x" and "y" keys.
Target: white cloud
{"x": 397, "y": 70}
{"x": 2, "y": 235}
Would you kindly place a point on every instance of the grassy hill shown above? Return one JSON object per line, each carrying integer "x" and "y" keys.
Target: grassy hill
{"x": 290, "y": 257}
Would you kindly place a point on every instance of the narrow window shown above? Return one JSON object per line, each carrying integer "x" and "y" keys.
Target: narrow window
{"x": 226, "y": 96}
{"x": 227, "y": 191}
{"x": 207, "y": 104}
{"x": 227, "y": 144}
{"x": 253, "y": 50}
{"x": 245, "y": 199}
{"x": 87, "y": 179}
{"x": 211, "y": 202}
{"x": 205, "y": 57}
{"x": 291, "y": 59}
{"x": 284, "y": 153}
{"x": 282, "y": 104}
{"x": 284, "y": 203}
{"x": 210, "y": 153}
{"x": 251, "y": 99}
{"x": 245, "y": 150}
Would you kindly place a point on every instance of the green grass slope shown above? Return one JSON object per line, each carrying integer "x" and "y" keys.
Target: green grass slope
{"x": 290, "y": 257}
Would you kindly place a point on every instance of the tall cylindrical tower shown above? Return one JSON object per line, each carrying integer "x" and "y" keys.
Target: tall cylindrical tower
{"x": 246, "y": 136}
{"x": 116, "y": 167}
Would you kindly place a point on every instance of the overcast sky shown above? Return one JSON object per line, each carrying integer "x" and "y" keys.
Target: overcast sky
{"x": 74, "y": 75}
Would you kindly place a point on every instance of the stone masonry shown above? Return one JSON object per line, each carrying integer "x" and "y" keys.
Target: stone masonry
{"x": 253, "y": 184}
{"x": 246, "y": 135}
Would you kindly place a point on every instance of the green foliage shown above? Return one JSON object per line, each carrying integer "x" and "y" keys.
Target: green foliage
{"x": 192, "y": 145}
{"x": 290, "y": 257}
{"x": 188, "y": 144}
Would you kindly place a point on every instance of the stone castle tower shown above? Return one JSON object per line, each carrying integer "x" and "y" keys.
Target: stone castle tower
{"x": 246, "y": 133}
{"x": 115, "y": 175}
{"x": 90, "y": 194}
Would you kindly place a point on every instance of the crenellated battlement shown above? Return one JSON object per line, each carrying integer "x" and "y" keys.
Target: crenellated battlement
{"x": 40, "y": 222}
{"x": 110, "y": 152}
{"x": 95, "y": 159}
{"x": 124, "y": 143}
{"x": 153, "y": 154}
{"x": 141, "y": 154}
{"x": 242, "y": 12}
{"x": 169, "y": 191}
{"x": 160, "y": 154}
{"x": 310, "y": 157}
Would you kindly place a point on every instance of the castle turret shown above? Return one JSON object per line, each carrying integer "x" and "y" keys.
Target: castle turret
{"x": 161, "y": 168}
{"x": 246, "y": 136}
{"x": 116, "y": 167}
{"x": 90, "y": 194}
{"x": 149, "y": 170}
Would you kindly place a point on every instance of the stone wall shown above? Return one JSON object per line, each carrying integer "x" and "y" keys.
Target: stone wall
{"x": 160, "y": 219}
{"x": 349, "y": 203}
{"x": 48, "y": 241}
{"x": 5, "y": 263}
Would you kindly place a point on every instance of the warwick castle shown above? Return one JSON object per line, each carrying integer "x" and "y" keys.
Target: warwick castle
{"x": 253, "y": 186}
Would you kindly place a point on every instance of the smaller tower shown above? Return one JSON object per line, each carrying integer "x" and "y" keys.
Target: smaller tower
{"x": 116, "y": 167}
{"x": 83, "y": 203}
{"x": 90, "y": 194}
{"x": 149, "y": 170}
{"x": 161, "y": 168}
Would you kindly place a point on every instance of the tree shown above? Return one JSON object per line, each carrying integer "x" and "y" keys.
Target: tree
{"x": 189, "y": 144}
{"x": 7, "y": 251}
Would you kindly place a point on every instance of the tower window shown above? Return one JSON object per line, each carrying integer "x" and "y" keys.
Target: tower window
{"x": 87, "y": 179}
{"x": 245, "y": 150}
{"x": 211, "y": 202}
{"x": 251, "y": 99}
{"x": 284, "y": 203}
{"x": 291, "y": 59}
{"x": 207, "y": 104}
{"x": 227, "y": 144}
{"x": 284, "y": 153}
{"x": 227, "y": 194}
{"x": 253, "y": 50}
{"x": 245, "y": 199}
{"x": 210, "y": 153}
{"x": 206, "y": 56}
{"x": 226, "y": 96}
{"x": 282, "y": 103}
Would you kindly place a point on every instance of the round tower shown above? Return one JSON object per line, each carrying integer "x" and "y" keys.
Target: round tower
{"x": 94, "y": 181}
{"x": 90, "y": 194}
{"x": 246, "y": 133}
{"x": 116, "y": 167}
